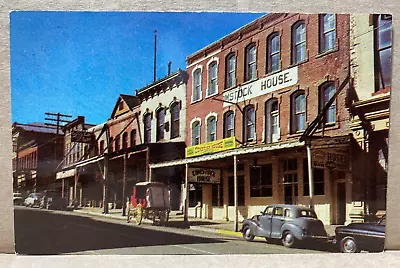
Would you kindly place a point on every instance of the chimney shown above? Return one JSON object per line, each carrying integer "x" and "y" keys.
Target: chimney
{"x": 169, "y": 67}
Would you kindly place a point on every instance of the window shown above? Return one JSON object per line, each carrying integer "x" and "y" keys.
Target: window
{"x": 327, "y": 91}
{"x": 196, "y": 133}
{"x": 318, "y": 178}
{"x": 261, "y": 181}
{"x": 195, "y": 194}
{"x": 160, "y": 124}
{"x": 298, "y": 112}
{"x": 175, "y": 111}
{"x": 147, "y": 128}
{"x": 212, "y": 79}
{"x": 278, "y": 211}
{"x": 196, "y": 85}
{"x": 251, "y": 65}
{"x": 299, "y": 46}
{"x": 211, "y": 128}
{"x": 110, "y": 145}
{"x": 240, "y": 190}
{"x": 327, "y": 30}
{"x": 133, "y": 138}
{"x": 272, "y": 121}
{"x": 230, "y": 71}
{"x": 383, "y": 51}
{"x": 249, "y": 123}
{"x": 273, "y": 52}
{"x": 217, "y": 195}
{"x": 117, "y": 144}
{"x": 229, "y": 124}
{"x": 290, "y": 185}
{"x": 124, "y": 140}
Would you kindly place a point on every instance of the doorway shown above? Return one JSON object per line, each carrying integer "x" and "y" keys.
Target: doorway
{"x": 341, "y": 202}
{"x": 240, "y": 190}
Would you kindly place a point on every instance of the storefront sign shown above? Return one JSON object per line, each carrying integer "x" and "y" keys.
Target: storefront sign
{"x": 204, "y": 175}
{"x": 330, "y": 159}
{"x": 82, "y": 136}
{"x": 262, "y": 86}
{"x": 211, "y": 147}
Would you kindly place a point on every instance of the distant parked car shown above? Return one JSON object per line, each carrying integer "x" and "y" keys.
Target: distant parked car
{"x": 18, "y": 200}
{"x": 33, "y": 200}
{"x": 52, "y": 200}
{"x": 361, "y": 236}
{"x": 289, "y": 223}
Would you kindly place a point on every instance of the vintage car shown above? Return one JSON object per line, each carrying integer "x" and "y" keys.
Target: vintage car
{"x": 33, "y": 200}
{"x": 18, "y": 200}
{"x": 290, "y": 223}
{"x": 369, "y": 236}
{"x": 52, "y": 200}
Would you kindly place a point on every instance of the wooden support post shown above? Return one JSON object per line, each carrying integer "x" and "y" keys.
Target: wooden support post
{"x": 75, "y": 182}
{"x": 310, "y": 174}
{"x": 124, "y": 187}
{"x": 186, "y": 193}
{"x": 236, "y": 225}
{"x": 147, "y": 164}
{"x": 62, "y": 187}
{"x": 105, "y": 185}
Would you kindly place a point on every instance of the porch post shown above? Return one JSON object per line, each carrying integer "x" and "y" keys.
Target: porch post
{"x": 75, "y": 182}
{"x": 310, "y": 174}
{"x": 235, "y": 192}
{"x": 186, "y": 193}
{"x": 105, "y": 185}
{"x": 62, "y": 187}
{"x": 150, "y": 173}
{"x": 147, "y": 164}
{"x": 124, "y": 188}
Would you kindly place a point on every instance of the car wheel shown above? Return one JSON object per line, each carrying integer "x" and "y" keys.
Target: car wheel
{"x": 349, "y": 245}
{"x": 247, "y": 235}
{"x": 288, "y": 239}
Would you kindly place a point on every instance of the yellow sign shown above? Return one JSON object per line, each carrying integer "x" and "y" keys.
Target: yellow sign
{"x": 211, "y": 147}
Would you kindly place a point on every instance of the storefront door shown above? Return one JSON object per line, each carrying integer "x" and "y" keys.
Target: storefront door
{"x": 290, "y": 189}
{"x": 341, "y": 202}
{"x": 240, "y": 190}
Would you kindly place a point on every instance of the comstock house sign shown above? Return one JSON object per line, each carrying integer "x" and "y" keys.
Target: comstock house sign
{"x": 261, "y": 86}
{"x": 204, "y": 175}
{"x": 211, "y": 147}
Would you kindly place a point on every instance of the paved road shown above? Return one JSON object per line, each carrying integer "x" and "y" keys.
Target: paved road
{"x": 48, "y": 232}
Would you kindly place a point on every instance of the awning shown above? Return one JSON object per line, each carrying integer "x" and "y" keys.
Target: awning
{"x": 65, "y": 174}
{"x": 71, "y": 171}
{"x": 237, "y": 151}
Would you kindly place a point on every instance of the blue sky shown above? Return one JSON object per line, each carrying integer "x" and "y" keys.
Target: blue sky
{"x": 78, "y": 63}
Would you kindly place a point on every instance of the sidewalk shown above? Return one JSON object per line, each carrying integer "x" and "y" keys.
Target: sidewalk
{"x": 176, "y": 220}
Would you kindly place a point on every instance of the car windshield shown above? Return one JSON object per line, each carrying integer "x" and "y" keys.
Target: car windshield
{"x": 307, "y": 213}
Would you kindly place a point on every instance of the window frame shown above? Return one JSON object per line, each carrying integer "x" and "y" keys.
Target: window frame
{"x": 210, "y": 134}
{"x": 261, "y": 182}
{"x": 213, "y": 64}
{"x": 160, "y": 121}
{"x": 323, "y": 101}
{"x": 175, "y": 121}
{"x": 229, "y": 71}
{"x": 147, "y": 127}
{"x": 296, "y": 44}
{"x": 197, "y": 84}
{"x": 133, "y": 138}
{"x": 323, "y": 33}
{"x": 226, "y": 125}
{"x": 195, "y": 123}
{"x": 247, "y": 125}
{"x": 269, "y": 115}
{"x": 295, "y": 114}
{"x": 248, "y": 64}
{"x": 270, "y": 53}
{"x": 377, "y": 53}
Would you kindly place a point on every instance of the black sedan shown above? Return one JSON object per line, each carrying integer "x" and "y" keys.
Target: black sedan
{"x": 361, "y": 236}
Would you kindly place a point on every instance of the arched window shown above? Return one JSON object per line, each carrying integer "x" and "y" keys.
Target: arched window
{"x": 299, "y": 46}
{"x": 110, "y": 145}
{"x": 272, "y": 121}
{"x": 124, "y": 140}
{"x": 117, "y": 144}
{"x": 160, "y": 124}
{"x": 327, "y": 32}
{"x": 326, "y": 93}
{"x": 147, "y": 128}
{"x": 212, "y": 78}
{"x": 175, "y": 115}
{"x": 196, "y": 133}
{"x": 383, "y": 51}
{"x": 229, "y": 124}
{"x": 251, "y": 62}
{"x": 249, "y": 123}
{"x": 230, "y": 71}
{"x": 196, "y": 95}
{"x": 133, "y": 138}
{"x": 298, "y": 112}
{"x": 273, "y": 48}
{"x": 211, "y": 128}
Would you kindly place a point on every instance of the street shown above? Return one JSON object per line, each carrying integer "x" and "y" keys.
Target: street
{"x": 39, "y": 232}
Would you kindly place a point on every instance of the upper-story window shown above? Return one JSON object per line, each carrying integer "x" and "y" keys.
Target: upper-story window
{"x": 196, "y": 133}
{"x": 175, "y": 115}
{"x": 299, "y": 46}
{"x": 272, "y": 121}
{"x": 117, "y": 144}
{"x": 327, "y": 31}
{"x": 249, "y": 123}
{"x": 230, "y": 71}
{"x": 110, "y": 146}
{"x": 160, "y": 124}
{"x": 212, "y": 78}
{"x": 229, "y": 124}
{"x": 147, "y": 128}
{"x": 196, "y": 94}
{"x": 124, "y": 140}
{"x": 211, "y": 128}
{"x": 273, "y": 52}
{"x": 383, "y": 51}
{"x": 326, "y": 93}
{"x": 251, "y": 62}
{"x": 298, "y": 112}
{"x": 133, "y": 137}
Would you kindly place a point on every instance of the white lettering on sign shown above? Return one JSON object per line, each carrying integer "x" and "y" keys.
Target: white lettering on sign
{"x": 204, "y": 175}
{"x": 262, "y": 86}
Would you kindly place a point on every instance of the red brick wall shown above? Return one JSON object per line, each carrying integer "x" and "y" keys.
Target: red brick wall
{"x": 312, "y": 73}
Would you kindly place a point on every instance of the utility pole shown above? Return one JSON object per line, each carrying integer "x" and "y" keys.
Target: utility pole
{"x": 155, "y": 55}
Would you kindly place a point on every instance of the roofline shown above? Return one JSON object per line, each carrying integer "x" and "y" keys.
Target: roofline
{"x": 159, "y": 81}
{"x": 272, "y": 16}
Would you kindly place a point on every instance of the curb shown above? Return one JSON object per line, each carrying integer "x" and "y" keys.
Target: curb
{"x": 216, "y": 231}
{"x": 100, "y": 215}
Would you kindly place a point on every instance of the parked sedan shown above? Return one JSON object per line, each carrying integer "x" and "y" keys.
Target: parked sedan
{"x": 289, "y": 223}
{"x": 33, "y": 200}
{"x": 361, "y": 236}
